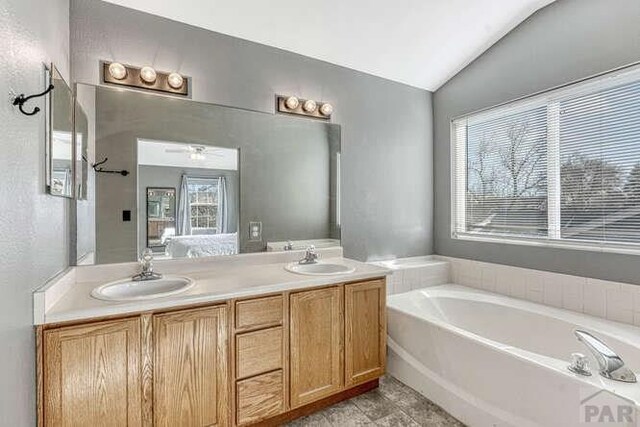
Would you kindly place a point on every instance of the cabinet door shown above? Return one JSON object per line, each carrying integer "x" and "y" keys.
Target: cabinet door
{"x": 92, "y": 375}
{"x": 316, "y": 328}
{"x": 191, "y": 385}
{"x": 365, "y": 331}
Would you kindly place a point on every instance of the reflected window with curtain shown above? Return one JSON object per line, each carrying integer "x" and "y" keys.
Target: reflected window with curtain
{"x": 202, "y": 206}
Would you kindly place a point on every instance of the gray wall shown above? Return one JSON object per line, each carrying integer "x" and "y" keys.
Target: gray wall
{"x": 33, "y": 227}
{"x": 171, "y": 177}
{"x": 566, "y": 41}
{"x": 386, "y": 126}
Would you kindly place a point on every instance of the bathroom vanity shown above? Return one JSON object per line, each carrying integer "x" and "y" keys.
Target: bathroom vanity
{"x": 216, "y": 355}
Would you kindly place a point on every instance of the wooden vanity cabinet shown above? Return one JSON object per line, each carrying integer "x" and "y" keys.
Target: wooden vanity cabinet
{"x": 316, "y": 347}
{"x": 91, "y": 375}
{"x": 190, "y": 369}
{"x": 365, "y": 331}
{"x": 266, "y": 359}
{"x": 168, "y": 369}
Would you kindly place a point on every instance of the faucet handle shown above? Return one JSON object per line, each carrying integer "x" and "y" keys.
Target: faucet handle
{"x": 579, "y": 364}
{"x": 146, "y": 255}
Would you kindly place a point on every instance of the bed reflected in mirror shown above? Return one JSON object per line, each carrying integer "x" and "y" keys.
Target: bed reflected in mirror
{"x": 191, "y": 199}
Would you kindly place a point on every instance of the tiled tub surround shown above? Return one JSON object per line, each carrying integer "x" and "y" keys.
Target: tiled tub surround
{"x": 619, "y": 302}
{"x": 490, "y": 359}
{"x": 415, "y": 273}
{"x": 67, "y": 297}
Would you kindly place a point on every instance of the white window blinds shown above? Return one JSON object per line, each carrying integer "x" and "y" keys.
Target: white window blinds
{"x": 561, "y": 167}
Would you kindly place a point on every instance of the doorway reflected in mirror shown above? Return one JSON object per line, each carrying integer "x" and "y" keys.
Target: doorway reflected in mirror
{"x": 191, "y": 199}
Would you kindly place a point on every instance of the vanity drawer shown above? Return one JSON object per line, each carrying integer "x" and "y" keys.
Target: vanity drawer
{"x": 260, "y": 397}
{"x": 259, "y": 312}
{"x": 258, "y": 352}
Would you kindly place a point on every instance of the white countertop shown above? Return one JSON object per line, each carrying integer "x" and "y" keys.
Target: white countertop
{"x": 214, "y": 281}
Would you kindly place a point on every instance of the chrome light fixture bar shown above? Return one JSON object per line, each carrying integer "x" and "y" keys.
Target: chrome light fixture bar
{"x": 145, "y": 77}
{"x": 304, "y": 107}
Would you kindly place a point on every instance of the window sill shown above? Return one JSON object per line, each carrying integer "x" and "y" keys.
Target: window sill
{"x": 548, "y": 243}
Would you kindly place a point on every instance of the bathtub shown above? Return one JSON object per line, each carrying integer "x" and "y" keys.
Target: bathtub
{"x": 492, "y": 360}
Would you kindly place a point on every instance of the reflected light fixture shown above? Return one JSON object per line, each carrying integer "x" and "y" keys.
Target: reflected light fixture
{"x": 117, "y": 70}
{"x": 309, "y": 106}
{"x": 293, "y": 105}
{"x": 148, "y": 74}
{"x": 326, "y": 109}
{"x": 175, "y": 80}
{"x": 292, "y": 102}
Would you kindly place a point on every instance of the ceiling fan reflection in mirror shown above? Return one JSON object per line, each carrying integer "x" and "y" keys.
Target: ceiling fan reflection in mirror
{"x": 197, "y": 152}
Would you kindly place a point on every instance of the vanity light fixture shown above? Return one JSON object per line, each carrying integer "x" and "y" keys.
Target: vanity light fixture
{"x": 146, "y": 78}
{"x": 292, "y": 102}
{"x": 326, "y": 109}
{"x": 309, "y": 106}
{"x": 148, "y": 75}
{"x": 303, "y": 107}
{"x": 175, "y": 80}
{"x": 117, "y": 70}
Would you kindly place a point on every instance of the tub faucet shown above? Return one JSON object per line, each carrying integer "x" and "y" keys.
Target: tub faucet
{"x": 610, "y": 364}
{"x": 146, "y": 262}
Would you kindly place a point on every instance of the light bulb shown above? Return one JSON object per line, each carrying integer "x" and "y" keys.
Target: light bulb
{"x": 292, "y": 102}
{"x": 148, "y": 74}
{"x": 175, "y": 80}
{"x": 117, "y": 70}
{"x": 326, "y": 109}
{"x": 309, "y": 106}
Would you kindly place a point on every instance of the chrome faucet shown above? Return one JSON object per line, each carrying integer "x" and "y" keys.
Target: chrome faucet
{"x": 310, "y": 256}
{"x": 610, "y": 364}
{"x": 146, "y": 262}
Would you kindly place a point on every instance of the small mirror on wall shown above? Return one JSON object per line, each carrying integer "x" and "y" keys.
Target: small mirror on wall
{"x": 60, "y": 151}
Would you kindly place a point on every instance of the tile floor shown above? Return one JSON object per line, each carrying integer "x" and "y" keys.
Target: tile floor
{"x": 391, "y": 404}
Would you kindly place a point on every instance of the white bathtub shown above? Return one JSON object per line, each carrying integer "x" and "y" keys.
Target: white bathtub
{"x": 492, "y": 360}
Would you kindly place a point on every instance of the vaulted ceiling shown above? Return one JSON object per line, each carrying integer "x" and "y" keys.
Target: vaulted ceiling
{"x": 422, "y": 43}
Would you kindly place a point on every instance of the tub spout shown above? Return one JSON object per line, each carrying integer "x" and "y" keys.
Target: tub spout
{"x": 610, "y": 364}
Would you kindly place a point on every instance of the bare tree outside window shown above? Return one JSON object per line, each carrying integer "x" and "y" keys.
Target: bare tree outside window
{"x": 506, "y": 186}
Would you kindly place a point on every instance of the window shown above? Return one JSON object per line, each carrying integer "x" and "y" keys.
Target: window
{"x": 203, "y": 205}
{"x": 562, "y": 168}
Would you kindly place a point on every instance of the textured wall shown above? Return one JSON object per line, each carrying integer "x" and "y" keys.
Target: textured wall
{"x": 566, "y": 41}
{"x": 386, "y": 126}
{"x": 33, "y": 226}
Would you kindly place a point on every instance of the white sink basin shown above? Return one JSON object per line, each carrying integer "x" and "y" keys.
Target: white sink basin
{"x": 319, "y": 269}
{"x": 129, "y": 290}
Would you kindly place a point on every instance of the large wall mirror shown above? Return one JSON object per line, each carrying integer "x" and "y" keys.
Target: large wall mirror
{"x": 191, "y": 179}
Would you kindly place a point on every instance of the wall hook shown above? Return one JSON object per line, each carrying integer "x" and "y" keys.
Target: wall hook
{"x": 95, "y": 167}
{"x": 21, "y": 99}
